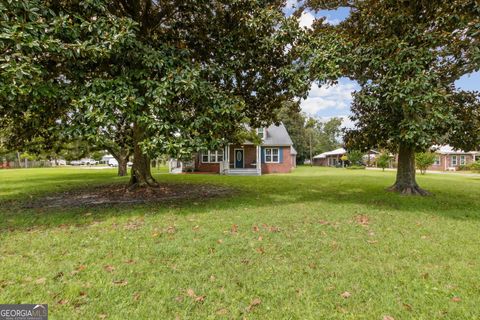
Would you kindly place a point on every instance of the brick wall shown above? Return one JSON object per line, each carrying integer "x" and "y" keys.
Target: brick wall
{"x": 446, "y": 161}
{"x": 284, "y": 167}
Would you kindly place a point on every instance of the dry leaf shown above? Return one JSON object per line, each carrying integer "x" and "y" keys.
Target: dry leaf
{"x": 130, "y": 261}
{"x": 222, "y": 312}
{"x": 171, "y": 229}
{"x": 255, "y": 302}
{"x": 456, "y": 299}
{"x": 41, "y": 281}
{"x": 219, "y": 241}
{"x": 200, "y": 298}
{"x": 388, "y": 318}
{"x": 58, "y": 276}
{"x": 109, "y": 268}
{"x": 155, "y": 234}
{"x": 136, "y": 296}
{"x": 346, "y": 295}
{"x": 196, "y": 228}
{"x": 190, "y": 293}
{"x": 255, "y": 228}
{"x": 260, "y": 238}
{"x": 120, "y": 283}
{"x": 62, "y": 301}
{"x": 260, "y": 250}
{"x": 234, "y": 228}
{"x": 82, "y": 293}
{"x": 102, "y": 316}
{"x": 274, "y": 229}
{"x": 362, "y": 220}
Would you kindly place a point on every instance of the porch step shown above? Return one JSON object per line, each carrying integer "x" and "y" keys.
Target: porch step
{"x": 243, "y": 172}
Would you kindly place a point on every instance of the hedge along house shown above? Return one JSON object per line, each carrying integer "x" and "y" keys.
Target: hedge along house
{"x": 449, "y": 159}
{"x": 275, "y": 154}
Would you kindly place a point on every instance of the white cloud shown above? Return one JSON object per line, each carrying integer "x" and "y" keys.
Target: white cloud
{"x": 337, "y": 97}
{"x": 306, "y": 20}
{"x": 346, "y": 122}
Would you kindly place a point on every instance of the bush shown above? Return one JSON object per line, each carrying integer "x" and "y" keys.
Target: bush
{"x": 464, "y": 167}
{"x": 475, "y": 166}
{"x": 384, "y": 160}
{"x": 355, "y": 157}
{"x": 423, "y": 160}
{"x": 356, "y": 167}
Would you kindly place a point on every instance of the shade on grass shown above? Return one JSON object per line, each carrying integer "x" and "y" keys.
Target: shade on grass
{"x": 316, "y": 244}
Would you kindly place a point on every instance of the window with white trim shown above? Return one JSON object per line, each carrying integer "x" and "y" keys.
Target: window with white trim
{"x": 462, "y": 160}
{"x": 212, "y": 156}
{"x": 453, "y": 160}
{"x": 272, "y": 155}
{"x": 437, "y": 161}
{"x": 261, "y": 133}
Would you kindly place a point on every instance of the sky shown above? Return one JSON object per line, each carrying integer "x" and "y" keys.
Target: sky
{"x": 334, "y": 101}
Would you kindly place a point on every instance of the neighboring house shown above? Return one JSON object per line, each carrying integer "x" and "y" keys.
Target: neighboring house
{"x": 449, "y": 159}
{"x": 330, "y": 158}
{"x": 274, "y": 155}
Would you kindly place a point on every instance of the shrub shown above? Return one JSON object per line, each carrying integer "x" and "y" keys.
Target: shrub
{"x": 356, "y": 167}
{"x": 475, "y": 166}
{"x": 423, "y": 160}
{"x": 383, "y": 160}
{"x": 355, "y": 157}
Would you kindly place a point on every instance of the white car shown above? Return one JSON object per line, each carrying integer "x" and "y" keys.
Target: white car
{"x": 112, "y": 162}
{"x": 88, "y": 162}
{"x": 76, "y": 163}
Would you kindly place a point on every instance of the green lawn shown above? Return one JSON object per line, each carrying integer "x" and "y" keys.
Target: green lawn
{"x": 282, "y": 247}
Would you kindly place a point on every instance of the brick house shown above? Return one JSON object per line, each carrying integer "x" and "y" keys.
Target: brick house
{"x": 449, "y": 159}
{"x": 275, "y": 154}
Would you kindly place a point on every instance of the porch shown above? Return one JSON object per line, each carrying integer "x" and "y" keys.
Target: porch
{"x": 241, "y": 160}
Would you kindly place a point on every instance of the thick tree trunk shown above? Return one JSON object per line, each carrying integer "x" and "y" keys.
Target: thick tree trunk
{"x": 141, "y": 175}
{"x": 406, "y": 183}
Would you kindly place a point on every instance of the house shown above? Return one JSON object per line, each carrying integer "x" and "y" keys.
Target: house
{"x": 275, "y": 154}
{"x": 330, "y": 158}
{"x": 449, "y": 159}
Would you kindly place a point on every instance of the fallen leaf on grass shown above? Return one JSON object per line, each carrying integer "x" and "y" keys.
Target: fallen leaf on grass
{"x": 58, "y": 276}
{"x": 219, "y": 241}
{"x": 171, "y": 229}
{"x": 260, "y": 238}
{"x": 120, "y": 283}
{"x": 109, "y": 268}
{"x": 260, "y": 250}
{"x": 62, "y": 301}
{"x": 346, "y": 295}
{"x": 255, "y": 228}
{"x": 255, "y": 302}
{"x": 78, "y": 269}
{"x": 234, "y": 228}
{"x": 190, "y": 293}
{"x": 388, "y": 318}
{"x": 82, "y": 293}
{"x": 136, "y": 296}
{"x": 41, "y": 281}
{"x": 196, "y": 298}
{"x": 130, "y": 261}
{"x": 200, "y": 298}
{"x": 362, "y": 220}
{"x": 456, "y": 299}
{"x": 102, "y": 316}
{"x": 222, "y": 312}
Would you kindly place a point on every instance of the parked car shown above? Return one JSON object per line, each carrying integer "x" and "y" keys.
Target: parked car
{"x": 112, "y": 162}
{"x": 75, "y": 163}
{"x": 88, "y": 162}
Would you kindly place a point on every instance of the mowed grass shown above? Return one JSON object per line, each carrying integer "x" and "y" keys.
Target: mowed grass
{"x": 319, "y": 243}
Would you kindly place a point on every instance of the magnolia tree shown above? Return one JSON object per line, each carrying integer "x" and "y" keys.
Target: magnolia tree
{"x": 406, "y": 56}
{"x": 143, "y": 78}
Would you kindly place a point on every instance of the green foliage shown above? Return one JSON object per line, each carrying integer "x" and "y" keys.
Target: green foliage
{"x": 475, "y": 166}
{"x": 383, "y": 160}
{"x": 356, "y": 167}
{"x": 423, "y": 160}
{"x": 406, "y": 56}
{"x": 308, "y": 133}
{"x": 355, "y": 157}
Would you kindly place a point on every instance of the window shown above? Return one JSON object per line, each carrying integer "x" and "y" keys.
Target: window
{"x": 437, "y": 161}
{"x": 261, "y": 133}
{"x": 212, "y": 156}
{"x": 462, "y": 160}
{"x": 453, "y": 160}
{"x": 272, "y": 155}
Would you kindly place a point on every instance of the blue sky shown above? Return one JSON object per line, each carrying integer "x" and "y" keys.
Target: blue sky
{"x": 334, "y": 101}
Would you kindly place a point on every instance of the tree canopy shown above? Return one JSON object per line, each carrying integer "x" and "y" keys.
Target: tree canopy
{"x": 406, "y": 56}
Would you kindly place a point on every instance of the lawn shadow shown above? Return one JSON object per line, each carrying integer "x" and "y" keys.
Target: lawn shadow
{"x": 266, "y": 191}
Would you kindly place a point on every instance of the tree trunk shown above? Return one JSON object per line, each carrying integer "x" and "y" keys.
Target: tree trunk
{"x": 141, "y": 175}
{"x": 122, "y": 165}
{"x": 406, "y": 183}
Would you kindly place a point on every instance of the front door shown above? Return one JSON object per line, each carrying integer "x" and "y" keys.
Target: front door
{"x": 238, "y": 158}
